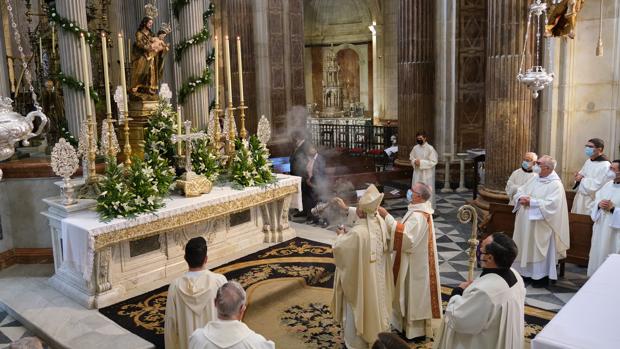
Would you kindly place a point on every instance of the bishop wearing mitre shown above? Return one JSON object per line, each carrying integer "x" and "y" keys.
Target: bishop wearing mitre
{"x": 541, "y": 225}
{"x": 591, "y": 177}
{"x": 363, "y": 280}
{"x": 606, "y": 217}
{"x": 417, "y": 298}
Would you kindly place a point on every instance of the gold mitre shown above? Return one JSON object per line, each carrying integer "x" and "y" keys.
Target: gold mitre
{"x": 151, "y": 11}
{"x": 371, "y": 200}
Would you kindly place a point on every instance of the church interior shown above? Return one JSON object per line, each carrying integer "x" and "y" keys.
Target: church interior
{"x": 330, "y": 161}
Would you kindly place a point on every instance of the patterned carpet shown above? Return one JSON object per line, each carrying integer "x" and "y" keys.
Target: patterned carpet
{"x": 12, "y": 330}
{"x": 289, "y": 292}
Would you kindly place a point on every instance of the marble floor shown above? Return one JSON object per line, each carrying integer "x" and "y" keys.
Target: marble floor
{"x": 452, "y": 245}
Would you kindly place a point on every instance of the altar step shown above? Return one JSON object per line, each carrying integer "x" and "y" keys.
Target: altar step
{"x": 56, "y": 319}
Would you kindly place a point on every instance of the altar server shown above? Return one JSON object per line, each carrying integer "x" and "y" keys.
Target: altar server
{"x": 417, "y": 297}
{"x": 190, "y": 297}
{"x": 541, "y": 225}
{"x": 363, "y": 280}
{"x": 606, "y": 217}
{"x": 591, "y": 177}
{"x": 424, "y": 159}
{"x": 487, "y": 313}
{"x": 227, "y": 331}
{"x": 521, "y": 175}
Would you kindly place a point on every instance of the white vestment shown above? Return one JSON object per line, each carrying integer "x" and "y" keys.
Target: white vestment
{"x": 517, "y": 179}
{"x": 425, "y": 172}
{"x": 417, "y": 288}
{"x": 363, "y": 283}
{"x": 228, "y": 334}
{"x": 594, "y": 177}
{"x": 541, "y": 229}
{"x": 190, "y": 306}
{"x": 606, "y": 229}
{"x": 489, "y": 315}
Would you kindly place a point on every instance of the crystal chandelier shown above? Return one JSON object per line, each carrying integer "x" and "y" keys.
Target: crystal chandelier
{"x": 535, "y": 78}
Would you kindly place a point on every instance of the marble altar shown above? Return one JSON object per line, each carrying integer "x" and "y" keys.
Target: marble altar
{"x": 101, "y": 263}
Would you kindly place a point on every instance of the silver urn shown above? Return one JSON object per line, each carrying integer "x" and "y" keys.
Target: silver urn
{"x": 16, "y": 128}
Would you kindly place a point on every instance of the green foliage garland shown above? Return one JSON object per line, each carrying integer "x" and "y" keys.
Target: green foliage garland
{"x": 198, "y": 38}
{"x": 193, "y": 84}
{"x": 70, "y": 26}
{"x": 205, "y": 160}
{"x": 77, "y": 85}
{"x": 260, "y": 158}
{"x": 115, "y": 197}
{"x": 177, "y": 5}
{"x": 242, "y": 172}
{"x": 64, "y": 133}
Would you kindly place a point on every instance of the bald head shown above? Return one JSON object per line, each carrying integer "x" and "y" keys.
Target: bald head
{"x": 530, "y": 156}
{"x": 230, "y": 301}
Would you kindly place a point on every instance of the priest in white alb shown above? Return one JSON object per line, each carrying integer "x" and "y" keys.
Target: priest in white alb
{"x": 363, "y": 281}
{"x": 190, "y": 298}
{"x": 417, "y": 297}
{"x": 606, "y": 217}
{"x": 488, "y": 312}
{"x": 541, "y": 225}
{"x": 521, "y": 175}
{"x": 423, "y": 158}
{"x": 591, "y": 177}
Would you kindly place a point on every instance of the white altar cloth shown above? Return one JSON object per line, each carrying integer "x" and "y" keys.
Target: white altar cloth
{"x": 589, "y": 319}
{"x": 83, "y": 233}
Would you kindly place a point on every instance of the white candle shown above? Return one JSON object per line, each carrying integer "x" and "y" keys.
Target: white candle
{"x": 41, "y": 50}
{"x": 240, "y": 69}
{"x": 179, "y": 129}
{"x": 53, "y": 39}
{"x": 227, "y": 63}
{"x": 85, "y": 73}
{"x": 216, "y": 66}
{"x": 121, "y": 58}
{"x": 106, "y": 77}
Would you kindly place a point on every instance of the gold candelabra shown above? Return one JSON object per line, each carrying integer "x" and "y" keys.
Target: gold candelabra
{"x": 243, "y": 133}
{"x": 127, "y": 146}
{"x": 231, "y": 131}
{"x": 217, "y": 144}
{"x": 110, "y": 122}
{"x": 92, "y": 148}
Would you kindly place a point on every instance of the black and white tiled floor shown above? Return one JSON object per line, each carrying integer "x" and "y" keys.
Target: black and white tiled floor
{"x": 452, "y": 249}
{"x": 11, "y": 330}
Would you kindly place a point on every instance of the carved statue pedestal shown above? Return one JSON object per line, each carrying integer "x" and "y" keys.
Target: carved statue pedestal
{"x": 485, "y": 197}
{"x": 139, "y": 112}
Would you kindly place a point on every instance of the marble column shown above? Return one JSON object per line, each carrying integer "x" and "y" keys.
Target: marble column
{"x": 193, "y": 63}
{"x": 416, "y": 73}
{"x": 5, "y": 89}
{"x": 71, "y": 62}
{"x": 511, "y": 120}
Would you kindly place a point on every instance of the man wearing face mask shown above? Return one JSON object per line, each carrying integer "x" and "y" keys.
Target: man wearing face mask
{"x": 591, "y": 177}
{"x": 541, "y": 225}
{"x": 487, "y": 313}
{"x": 521, "y": 176}
{"x": 424, "y": 159}
{"x": 417, "y": 298}
{"x": 606, "y": 217}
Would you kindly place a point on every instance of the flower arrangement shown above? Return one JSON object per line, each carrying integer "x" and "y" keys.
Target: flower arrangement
{"x": 206, "y": 160}
{"x": 260, "y": 158}
{"x": 242, "y": 171}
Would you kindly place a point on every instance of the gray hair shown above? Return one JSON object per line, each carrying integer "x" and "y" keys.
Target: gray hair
{"x": 548, "y": 161}
{"x": 423, "y": 190}
{"x": 229, "y": 300}
{"x": 533, "y": 155}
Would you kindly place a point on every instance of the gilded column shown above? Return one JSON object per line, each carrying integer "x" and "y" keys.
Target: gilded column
{"x": 193, "y": 64}
{"x": 71, "y": 63}
{"x": 416, "y": 73}
{"x": 511, "y": 120}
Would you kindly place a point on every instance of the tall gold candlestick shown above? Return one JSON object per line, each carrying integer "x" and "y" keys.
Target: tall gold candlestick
{"x": 53, "y": 39}
{"x": 92, "y": 124}
{"x": 240, "y": 66}
{"x": 121, "y": 58}
{"x": 108, "y": 103}
{"x": 179, "y": 130}
{"x": 216, "y": 67}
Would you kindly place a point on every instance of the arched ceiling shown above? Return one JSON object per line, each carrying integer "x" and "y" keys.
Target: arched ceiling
{"x": 327, "y": 21}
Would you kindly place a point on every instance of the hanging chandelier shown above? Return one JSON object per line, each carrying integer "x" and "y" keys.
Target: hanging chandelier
{"x": 535, "y": 78}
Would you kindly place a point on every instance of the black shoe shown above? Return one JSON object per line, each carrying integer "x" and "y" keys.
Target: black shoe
{"x": 542, "y": 283}
{"x": 300, "y": 214}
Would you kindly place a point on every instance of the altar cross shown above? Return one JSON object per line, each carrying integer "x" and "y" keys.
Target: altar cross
{"x": 188, "y": 138}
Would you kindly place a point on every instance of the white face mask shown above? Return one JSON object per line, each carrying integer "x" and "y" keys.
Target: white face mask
{"x": 536, "y": 169}
{"x": 611, "y": 174}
